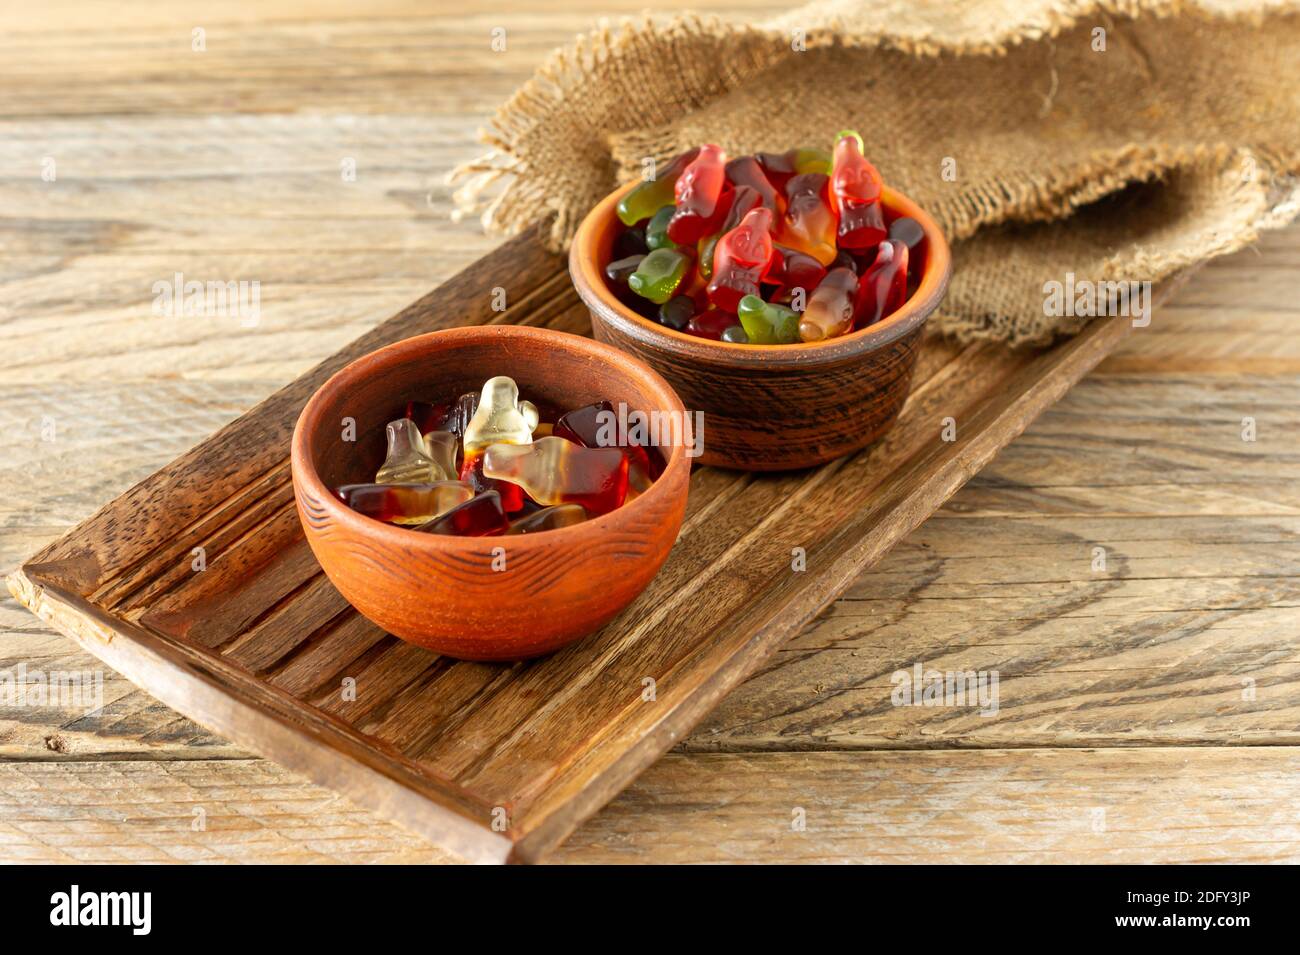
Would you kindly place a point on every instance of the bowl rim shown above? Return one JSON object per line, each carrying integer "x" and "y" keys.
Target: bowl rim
{"x": 307, "y": 479}
{"x": 588, "y": 278}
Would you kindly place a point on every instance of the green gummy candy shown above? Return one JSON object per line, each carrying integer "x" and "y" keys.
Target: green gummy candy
{"x": 855, "y": 134}
{"x": 766, "y": 323}
{"x": 658, "y": 275}
{"x": 812, "y": 160}
{"x": 736, "y": 334}
{"x": 645, "y": 200}
{"x": 707, "y": 247}
{"x": 656, "y": 230}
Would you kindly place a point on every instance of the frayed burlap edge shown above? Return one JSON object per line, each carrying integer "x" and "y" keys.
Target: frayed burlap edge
{"x": 1236, "y": 205}
{"x": 513, "y": 194}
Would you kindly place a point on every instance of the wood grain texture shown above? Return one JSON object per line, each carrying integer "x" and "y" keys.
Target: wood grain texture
{"x": 533, "y": 749}
{"x": 230, "y": 169}
{"x": 1017, "y": 807}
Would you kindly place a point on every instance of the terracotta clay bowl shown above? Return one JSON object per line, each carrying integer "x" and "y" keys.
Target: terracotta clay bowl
{"x": 442, "y": 592}
{"x": 772, "y": 407}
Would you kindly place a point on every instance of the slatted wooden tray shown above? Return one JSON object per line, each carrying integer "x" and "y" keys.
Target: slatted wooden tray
{"x": 500, "y": 762}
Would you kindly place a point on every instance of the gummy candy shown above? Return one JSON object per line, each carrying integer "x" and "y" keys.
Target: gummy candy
{"x": 448, "y": 416}
{"x": 630, "y": 242}
{"x": 862, "y": 225}
{"x": 677, "y": 311}
{"x": 768, "y": 324}
{"x": 500, "y": 417}
{"x": 408, "y": 461}
{"x": 584, "y": 426}
{"x": 651, "y": 196}
{"x": 480, "y": 516}
{"x": 883, "y": 286}
{"x": 845, "y": 259}
{"x": 572, "y": 468}
{"x": 742, "y": 202}
{"x": 427, "y": 417}
{"x": 741, "y": 259}
{"x": 703, "y": 197}
{"x": 471, "y": 474}
{"x": 746, "y": 173}
{"x": 404, "y": 503}
{"x": 549, "y": 518}
{"x": 557, "y": 471}
{"x": 780, "y": 167}
{"x": 792, "y": 269}
{"x": 659, "y": 275}
{"x": 620, "y": 270}
{"x": 855, "y": 190}
{"x": 443, "y": 448}
{"x": 656, "y": 230}
{"x": 767, "y": 230}
{"x": 908, "y": 231}
{"x": 830, "y": 308}
{"x": 711, "y": 323}
{"x": 809, "y": 223}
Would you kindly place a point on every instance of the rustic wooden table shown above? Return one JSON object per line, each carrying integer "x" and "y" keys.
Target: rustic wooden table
{"x": 1149, "y": 709}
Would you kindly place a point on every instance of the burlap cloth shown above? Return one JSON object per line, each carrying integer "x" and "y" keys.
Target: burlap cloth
{"x": 1119, "y": 140}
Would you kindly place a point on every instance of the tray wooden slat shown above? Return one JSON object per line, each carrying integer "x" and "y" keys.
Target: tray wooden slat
{"x": 257, "y": 645}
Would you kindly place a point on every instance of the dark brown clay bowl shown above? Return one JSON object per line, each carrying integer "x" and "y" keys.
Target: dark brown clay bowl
{"x": 772, "y": 407}
{"x": 441, "y": 592}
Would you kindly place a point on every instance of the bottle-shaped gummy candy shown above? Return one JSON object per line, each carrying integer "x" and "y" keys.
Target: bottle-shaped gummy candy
{"x": 809, "y": 223}
{"x": 556, "y": 471}
{"x": 830, "y": 309}
{"x": 855, "y": 190}
{"x": 659, "y": 274}
{"x": 443, "y": 447}
{"x": 501, "y": 418}
{"x": 703, "y": 197}
{"x": 480, "y": 516}
{"x": 780, "y": 167}
{"x": 408, "y": 461}
{"x": 741, "y": 259}
{"x": 767, "y": 323}
{"x": 883, "y": 286}
{"x": 656, "y": 192}
{"x": 742, "y": 201}
{"x": 404, "y": 503}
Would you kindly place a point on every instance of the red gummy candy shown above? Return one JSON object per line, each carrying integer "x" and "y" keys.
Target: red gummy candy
{"x": 742, "y": 201}
{"x": 883, "y": 287}
{"x": 584, "y": 426}
{"x": 741, "y": 259}
{"x": 445, "y": 416}
{"x": 511, "y": 495}
{"x": 852, "y": 177}
{"x": 703, "y": 197}
{"x": 792, "y": 269}
{"x": 746, "y": 172}
{"x": 855, "y": 191}
{"x": 711, "y": 324}
{"x": 480, "y": 516}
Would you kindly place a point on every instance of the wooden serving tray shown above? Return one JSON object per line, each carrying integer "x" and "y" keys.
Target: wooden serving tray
{"x": 501, "y": 762}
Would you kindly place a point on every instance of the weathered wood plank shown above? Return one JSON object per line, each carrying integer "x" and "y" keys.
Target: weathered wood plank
{"x": 1004, "y": 806}
{"x": 222, "y": 186}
